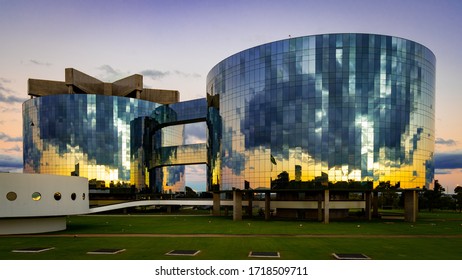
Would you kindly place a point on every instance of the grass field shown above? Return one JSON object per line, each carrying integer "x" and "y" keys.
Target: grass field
{"x": 435, "y": 236}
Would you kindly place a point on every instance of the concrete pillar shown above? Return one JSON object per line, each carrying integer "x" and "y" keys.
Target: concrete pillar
{"x": 169, "y": 209}
{"x": 237, "y": 205}
{"x": 320, "y": 207}
{"x": 267, "y": 206}
{"x": 326, "y": 206}
{"x": 375, "y": 204}
{"x": 411, "y": 206}
{"x": 216, "y": 204}
{"x": 226, "y": 211}
{"x": 250, "y": 205}
{"x": 368, "y": 200}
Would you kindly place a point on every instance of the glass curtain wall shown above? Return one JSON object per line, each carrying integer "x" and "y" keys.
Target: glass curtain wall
{"x": 335, "y": 108}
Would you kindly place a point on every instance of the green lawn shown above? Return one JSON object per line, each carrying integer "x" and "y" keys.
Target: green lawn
{"x": 434, "y": 236}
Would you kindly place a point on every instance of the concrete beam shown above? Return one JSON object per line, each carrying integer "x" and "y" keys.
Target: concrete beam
{"x": 129, "y": 86}
{"x": 44, "y": 87}
{"x": 160, "y": 96}
{"x": 83, "y": 82}
{"x": 237, "y": 205}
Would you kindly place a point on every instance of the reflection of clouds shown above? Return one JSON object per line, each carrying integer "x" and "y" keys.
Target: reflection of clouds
{"x": 232, "y": 159}
{"x": 74, "y": 128}
{"x": 196, "y": 172}
{"x": 195, "y": 133}
{"x": 331, "y": 126}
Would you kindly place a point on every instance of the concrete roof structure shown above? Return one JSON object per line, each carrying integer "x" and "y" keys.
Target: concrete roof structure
{"x": 77, "y": 82}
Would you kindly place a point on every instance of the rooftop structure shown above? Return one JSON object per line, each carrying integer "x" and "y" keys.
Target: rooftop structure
{"x": 77, "y": 82}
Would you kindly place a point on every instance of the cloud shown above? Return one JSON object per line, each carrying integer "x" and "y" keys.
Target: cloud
{"x": 111, "y": 74}
{"x": 448, "y": 160}
{"x": 155, "y": 74}
{"x": 5, "y": 92}
{"x": 14, "y": 149}
{"x": 446, "y": 142}
{"x": 7, "y": 162}
{"x": 40, "y": 63}
{"x": 11, "y": 99}
{"x": 443, "y": 171}
{"x": 4, "y": 88}
{"x": 8, "y": 109}
{"x": 8, "y": 138}
{"x": 187, "y": 75}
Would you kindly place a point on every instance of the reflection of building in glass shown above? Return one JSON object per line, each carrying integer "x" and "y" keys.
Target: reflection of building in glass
{"x": 343, "y": 107}
{"x": 342, "y": 110}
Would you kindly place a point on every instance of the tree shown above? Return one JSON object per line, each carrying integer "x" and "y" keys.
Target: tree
{"x": 388, "y": 198}
{"x": 458, "y": 197}
{"x": 433, "y": 196}
{"x": 189, "y": 192}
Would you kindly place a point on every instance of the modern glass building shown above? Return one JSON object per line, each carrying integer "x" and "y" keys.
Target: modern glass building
{"x": 83, "y": 133}
{"x": 88, "y": 128}
{"x": 325, "y": 109}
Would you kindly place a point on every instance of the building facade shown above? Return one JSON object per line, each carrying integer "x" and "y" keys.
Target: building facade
{"x": 327, "y": 109}
{"x": 88, "y": 128}
{"x": 323, "y": 110}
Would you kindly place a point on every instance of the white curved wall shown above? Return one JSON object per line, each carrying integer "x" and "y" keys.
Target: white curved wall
{"x": 25, "y": 185}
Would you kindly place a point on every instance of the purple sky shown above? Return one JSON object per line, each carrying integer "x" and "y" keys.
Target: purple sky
{"x": 175, "y": 43}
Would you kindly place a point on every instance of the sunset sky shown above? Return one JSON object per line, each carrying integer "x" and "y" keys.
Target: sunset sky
{"x": 174, "y": 44}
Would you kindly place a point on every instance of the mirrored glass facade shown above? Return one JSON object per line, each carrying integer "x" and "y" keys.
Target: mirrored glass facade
{"x": 82, "y": 134}
{"x": 326, "y": 108}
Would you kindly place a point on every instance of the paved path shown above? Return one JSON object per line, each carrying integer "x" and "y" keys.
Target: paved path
{"x": 95, "y": 235}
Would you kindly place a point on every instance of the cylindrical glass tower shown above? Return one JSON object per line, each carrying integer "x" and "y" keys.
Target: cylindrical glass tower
{"x": 326, "y": 108}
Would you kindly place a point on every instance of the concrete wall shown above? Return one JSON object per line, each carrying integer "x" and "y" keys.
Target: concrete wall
{"x": 32, "y": 225}
{"x": 44, "y": 87}
{"x": 17, "y": 191}
{"x": 160, "y": 96}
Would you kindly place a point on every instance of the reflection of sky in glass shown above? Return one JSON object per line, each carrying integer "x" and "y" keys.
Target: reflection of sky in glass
{"x": 353, "y": 106}
{"x": 85, "y": 133}
{"x": 169, "y": 151}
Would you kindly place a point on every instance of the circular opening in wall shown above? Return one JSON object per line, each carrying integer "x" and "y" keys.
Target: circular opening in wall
{"x": 83, "y": 196}
{"x": 57, "y": 196}
{"x": 73, "y": 196}
{"x": 11, "y": 196}
{"x": 36, "y": 196}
